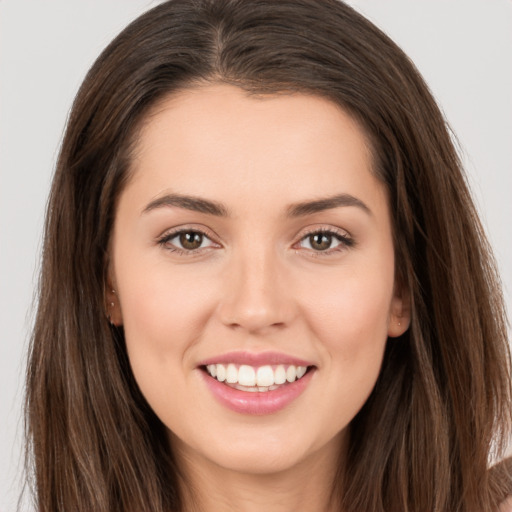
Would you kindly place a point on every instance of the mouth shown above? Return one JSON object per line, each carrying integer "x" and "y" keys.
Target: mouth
{"x": 256, "y": 384}
{"x": 256, "y": 379}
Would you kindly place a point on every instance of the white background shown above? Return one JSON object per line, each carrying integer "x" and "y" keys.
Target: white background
{"x": 462, "y": 47}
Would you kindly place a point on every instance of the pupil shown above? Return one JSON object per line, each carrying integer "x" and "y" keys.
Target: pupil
{"x": 191, "y": 240}
{"x": 320, "y": 241}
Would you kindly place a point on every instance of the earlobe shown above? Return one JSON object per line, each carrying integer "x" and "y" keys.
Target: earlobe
{"x": 113, "y": 308}
{"x": 398, "y": 325}
{"x": 112, "y": 304}
{"x": 400, "y": 312}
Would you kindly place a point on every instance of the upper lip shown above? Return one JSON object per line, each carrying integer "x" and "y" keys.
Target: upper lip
{"x": 255, "y": 359}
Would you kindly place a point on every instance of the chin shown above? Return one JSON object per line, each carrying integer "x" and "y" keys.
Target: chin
{"x": 253, "y": 460}
{"x": 260, "y": 451}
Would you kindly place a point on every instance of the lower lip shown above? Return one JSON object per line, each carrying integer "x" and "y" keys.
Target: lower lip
{"x": 258, "y": 402}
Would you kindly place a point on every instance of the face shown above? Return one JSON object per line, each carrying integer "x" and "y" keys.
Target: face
{"x": 253, "y": 264}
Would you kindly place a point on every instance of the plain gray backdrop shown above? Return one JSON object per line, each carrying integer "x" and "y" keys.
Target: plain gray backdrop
{"x": 463, "y": 48}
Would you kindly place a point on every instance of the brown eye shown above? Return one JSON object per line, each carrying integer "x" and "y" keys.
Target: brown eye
{"x": 187, "y": 242}
{"x": 320, "y": 241}
{"x": 326, "y": 241}
{"x": 191, "y": 240}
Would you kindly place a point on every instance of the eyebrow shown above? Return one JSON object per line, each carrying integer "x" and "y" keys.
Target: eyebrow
{"x": 195, "y": 204}
{"x": 327, "y": 203}
{"x": 301, "y": 209}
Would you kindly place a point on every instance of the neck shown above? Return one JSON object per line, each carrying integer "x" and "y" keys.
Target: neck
{"x": 308, "y": 485}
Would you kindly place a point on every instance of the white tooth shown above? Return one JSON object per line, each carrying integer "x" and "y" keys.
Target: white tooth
{"x": 291, "y": 374}
{"x": 280, "y": 375}
{"x": 231, "y": 374}
{"x": 263, "y": 389}
{"x": 265, "y": 376}
{"x": 221, "y": 373}
{"x": 246, "y": 375}
{"x": 301, "y": 370}
{"x": 212, "y": 369}
{"x": 249, "y": 389}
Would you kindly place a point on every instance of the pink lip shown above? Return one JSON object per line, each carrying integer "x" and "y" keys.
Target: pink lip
{"x": 265, "y": 402}
{"x": 256, "y": 403}
{"x": 255, "y": 359}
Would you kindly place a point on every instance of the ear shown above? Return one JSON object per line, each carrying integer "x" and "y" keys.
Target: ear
{"x": 400, "y": 311}
{"x": 112, "y": 303}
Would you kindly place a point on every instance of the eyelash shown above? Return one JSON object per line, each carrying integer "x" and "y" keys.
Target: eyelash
{"x": 166, "y": 238}
{"x": 345, "y": 241}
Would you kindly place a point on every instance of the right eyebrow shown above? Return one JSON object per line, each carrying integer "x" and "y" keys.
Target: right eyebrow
{"x": 196, "y": 204}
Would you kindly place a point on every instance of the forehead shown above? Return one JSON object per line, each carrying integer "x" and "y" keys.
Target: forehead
{"x": 218, "y": 139}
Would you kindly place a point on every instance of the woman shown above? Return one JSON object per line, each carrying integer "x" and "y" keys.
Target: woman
{"x": 264, "y": 280}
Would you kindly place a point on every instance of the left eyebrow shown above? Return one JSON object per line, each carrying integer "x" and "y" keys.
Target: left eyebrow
{"x": 327, "y": 203}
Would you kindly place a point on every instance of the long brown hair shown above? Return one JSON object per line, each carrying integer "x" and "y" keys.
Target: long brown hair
{"x": 441, "y": 409}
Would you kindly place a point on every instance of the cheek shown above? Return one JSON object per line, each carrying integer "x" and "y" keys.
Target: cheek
{"x": 351, "y": 309}
{"x": 163, "y": 313}
{"x": 349, "y": 318}
{"x": 157, "y": 300}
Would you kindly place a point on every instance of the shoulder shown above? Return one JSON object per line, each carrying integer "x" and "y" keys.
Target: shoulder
{"x": 502, "y": 474}
{"x": 506, "y": 506}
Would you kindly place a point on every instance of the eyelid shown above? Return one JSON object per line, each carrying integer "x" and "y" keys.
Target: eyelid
{"x": 343, "y": 236}
{"x": 171, "y": 233}
{"x": 187, "y": 227}
{"x": 324, "y": 229}
{"x": 346, "y": 239}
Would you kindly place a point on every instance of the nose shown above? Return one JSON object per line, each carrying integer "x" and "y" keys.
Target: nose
{"x": 255, "y": 296}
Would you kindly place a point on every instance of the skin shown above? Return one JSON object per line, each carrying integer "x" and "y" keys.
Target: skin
{"x": 256, "y": 284}
{"x": 506, "y": 506}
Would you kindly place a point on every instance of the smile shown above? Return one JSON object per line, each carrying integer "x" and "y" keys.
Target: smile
{"x": 256, "y": 379}
{"x": 256, "y": 384}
